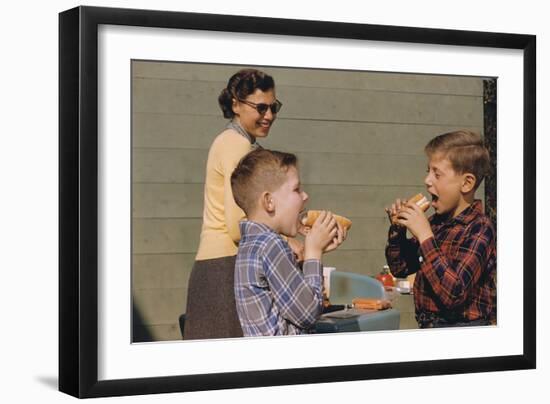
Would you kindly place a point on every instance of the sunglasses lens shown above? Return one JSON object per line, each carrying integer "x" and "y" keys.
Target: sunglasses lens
{"x": 262, "y": 108}
{"x": 276, "y": 107}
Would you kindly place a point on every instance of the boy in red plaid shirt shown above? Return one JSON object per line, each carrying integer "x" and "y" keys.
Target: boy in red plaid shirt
{"x": 453, "y": 253}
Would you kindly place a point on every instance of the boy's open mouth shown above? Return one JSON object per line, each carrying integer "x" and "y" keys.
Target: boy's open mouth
{"x": 435, "y": 198}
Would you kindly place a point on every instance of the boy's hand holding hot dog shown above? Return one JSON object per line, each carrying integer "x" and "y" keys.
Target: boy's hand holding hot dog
{"x": 342, "y": 223}
{"x": 325, "y": 235}
{"x": 392, "y": 212}
{"x": 413, "y": 218}
{"x": 409, "y": 214}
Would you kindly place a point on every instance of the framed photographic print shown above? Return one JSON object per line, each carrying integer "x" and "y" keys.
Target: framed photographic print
{"x": 138, "y": 113}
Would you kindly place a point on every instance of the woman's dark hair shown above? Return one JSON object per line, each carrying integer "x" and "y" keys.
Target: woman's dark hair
{"x": 241, "y": 85}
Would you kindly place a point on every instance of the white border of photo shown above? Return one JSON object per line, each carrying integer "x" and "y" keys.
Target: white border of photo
{"x": 118, "y": 358}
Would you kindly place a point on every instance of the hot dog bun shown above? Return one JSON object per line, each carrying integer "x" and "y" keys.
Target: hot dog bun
{"x": 418, "y": 199}
{"x": 312, "y": 216}
{"x": 368, "y": 303}
{"x": 421, "y": 201}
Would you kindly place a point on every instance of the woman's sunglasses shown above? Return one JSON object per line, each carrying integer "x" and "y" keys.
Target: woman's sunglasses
{"x": 262, "y": 108}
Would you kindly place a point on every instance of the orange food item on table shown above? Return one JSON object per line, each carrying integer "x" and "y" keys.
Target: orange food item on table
{"x": 367, "y": 303}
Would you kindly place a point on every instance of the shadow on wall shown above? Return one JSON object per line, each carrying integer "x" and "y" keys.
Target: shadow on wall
{"x": 140, "y": 333}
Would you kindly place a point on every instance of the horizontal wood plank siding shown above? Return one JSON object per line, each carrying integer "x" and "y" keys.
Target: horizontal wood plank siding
{"x": 359, "y": 138}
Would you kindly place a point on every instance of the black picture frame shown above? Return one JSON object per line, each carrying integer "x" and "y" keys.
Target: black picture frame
{"x": 78, "y": 200}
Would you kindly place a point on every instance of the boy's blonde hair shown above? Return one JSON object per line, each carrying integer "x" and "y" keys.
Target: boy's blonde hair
{"x": 465, "y": 150}
{"x": 259, "y": 171}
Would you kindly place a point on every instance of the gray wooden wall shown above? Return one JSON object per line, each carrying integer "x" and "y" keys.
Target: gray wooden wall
{"x": 359, "y": 138}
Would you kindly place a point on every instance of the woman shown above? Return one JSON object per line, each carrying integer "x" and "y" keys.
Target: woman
{"x": 249, "y": 101}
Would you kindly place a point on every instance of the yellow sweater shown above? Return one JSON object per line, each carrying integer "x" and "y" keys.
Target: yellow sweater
{"x": 220, "y": 220}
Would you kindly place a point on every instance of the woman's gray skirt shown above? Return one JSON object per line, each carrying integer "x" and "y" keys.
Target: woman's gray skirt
{"x": 211, "y": 311}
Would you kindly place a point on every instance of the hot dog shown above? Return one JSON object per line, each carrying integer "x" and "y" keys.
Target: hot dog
{"x": 312, "y": 216}
{"x": 367, "y": 303}
{"x": 419, "y": 200}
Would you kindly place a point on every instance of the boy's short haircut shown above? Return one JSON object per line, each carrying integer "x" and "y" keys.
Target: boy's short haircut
{"x": 259, "y": 171}
{"x": 465, "y": 150}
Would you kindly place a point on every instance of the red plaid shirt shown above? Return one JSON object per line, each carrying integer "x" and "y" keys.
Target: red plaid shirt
{"x": 456, "y": 269}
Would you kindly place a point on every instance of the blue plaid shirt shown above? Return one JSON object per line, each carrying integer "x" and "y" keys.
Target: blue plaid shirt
{"x": 274, "y": 296}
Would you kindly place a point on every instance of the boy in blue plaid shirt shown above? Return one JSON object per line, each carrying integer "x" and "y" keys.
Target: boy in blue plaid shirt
{"x": 274, "y": 295}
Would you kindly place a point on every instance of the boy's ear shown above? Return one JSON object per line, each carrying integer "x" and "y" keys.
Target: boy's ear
{"x": 468, "y": 183}
{"x": 267, "y": 202}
